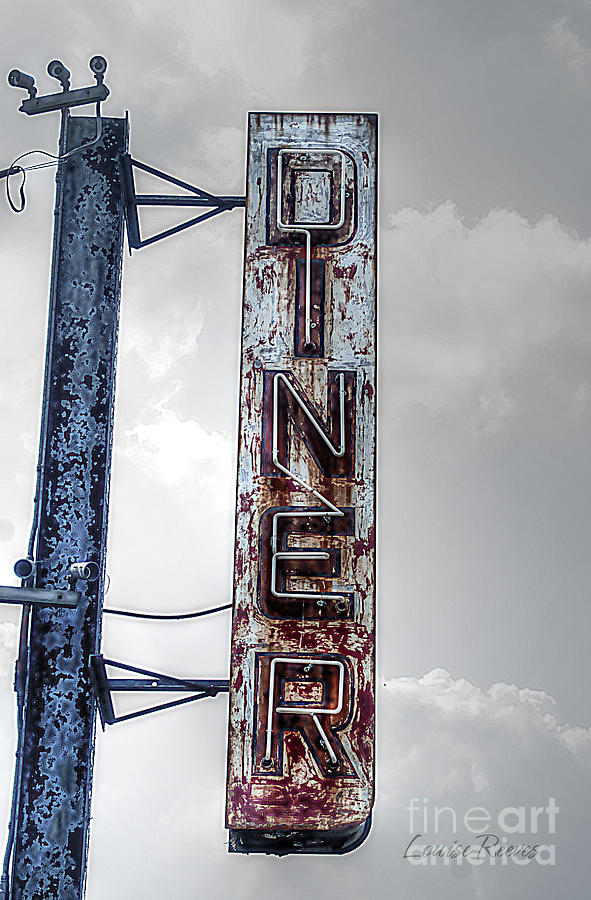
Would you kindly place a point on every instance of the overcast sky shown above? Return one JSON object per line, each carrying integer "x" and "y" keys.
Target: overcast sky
{"x": 484, "y": 418}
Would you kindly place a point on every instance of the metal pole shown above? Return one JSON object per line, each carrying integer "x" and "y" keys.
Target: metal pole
{"x": 55, "y": 779}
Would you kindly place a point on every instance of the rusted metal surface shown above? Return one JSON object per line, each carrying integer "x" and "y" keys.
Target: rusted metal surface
{"x": 56, "y": 778}
{"x": 301, "y": 732}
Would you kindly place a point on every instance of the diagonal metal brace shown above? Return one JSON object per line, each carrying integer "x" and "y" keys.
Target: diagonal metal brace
{"x": 103, "y": 687}
{"x": 197, "y": 197}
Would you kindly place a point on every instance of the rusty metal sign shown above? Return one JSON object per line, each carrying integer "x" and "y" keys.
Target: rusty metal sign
{"x": 301, "y": 731}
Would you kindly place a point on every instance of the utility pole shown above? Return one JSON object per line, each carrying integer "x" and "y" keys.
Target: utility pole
{"x": 53, "y": 781}
{"x": 61, "y": 676}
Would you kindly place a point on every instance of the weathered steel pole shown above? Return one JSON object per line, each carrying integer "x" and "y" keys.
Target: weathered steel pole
{"x": 54, "y": 778}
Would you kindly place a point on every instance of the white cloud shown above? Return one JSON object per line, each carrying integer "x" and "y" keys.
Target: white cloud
{"x": 161, "y": 335}
{"x": 460, "y": 713}
{"x": 465, "y": 304}
{"x": 442, "y": 740}
{"x": 566, "y": 43}
{"x": 180, "y": 452}
{"x": 161, "y": 349}
{"x": 578, "y": 741}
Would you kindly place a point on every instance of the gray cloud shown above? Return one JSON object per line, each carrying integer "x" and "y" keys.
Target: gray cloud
{"x": 484, "y": 412}
{"x": 485, "y": 362}
{"x": 442, "y": 740}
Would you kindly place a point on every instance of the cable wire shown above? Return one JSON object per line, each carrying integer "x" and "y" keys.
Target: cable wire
{"x": 176, "y": 616}
{"x": 56, "y": 160}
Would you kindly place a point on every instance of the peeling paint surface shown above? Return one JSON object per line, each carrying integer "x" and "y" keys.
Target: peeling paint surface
{"x": 55, "y": 787}
{"x": 288, "y": 783}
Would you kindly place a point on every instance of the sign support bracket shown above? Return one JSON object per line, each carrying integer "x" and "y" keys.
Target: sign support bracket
{"x": 197, "y": 197}
{"x": 103, "y": 687}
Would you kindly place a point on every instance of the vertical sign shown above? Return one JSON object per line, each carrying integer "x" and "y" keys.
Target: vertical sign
{"x": 301, "y": 731}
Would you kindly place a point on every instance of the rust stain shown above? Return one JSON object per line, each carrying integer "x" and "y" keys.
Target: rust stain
{"x": 74, "y": 491}
{"x": 299, "y": 790}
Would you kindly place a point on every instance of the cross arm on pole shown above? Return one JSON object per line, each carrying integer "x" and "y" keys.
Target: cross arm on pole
{"x": 39, "y": 596}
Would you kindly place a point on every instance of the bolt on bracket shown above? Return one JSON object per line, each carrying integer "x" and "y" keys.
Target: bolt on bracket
{"x": 103, "y": 686}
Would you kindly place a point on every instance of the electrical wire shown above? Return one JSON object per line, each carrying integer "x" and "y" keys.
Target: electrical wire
{"x": 56, "y": 160}
{"x": 176, "y": 616}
